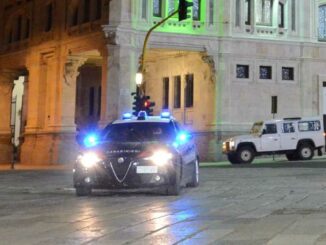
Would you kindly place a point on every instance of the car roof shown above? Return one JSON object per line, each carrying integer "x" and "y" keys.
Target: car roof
{"x": 148, "y": 119}
{"x": 294, "y": 119}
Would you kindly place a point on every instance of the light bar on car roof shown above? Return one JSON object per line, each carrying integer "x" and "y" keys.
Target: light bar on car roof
{"x": 165, "y": 114}
{"x": 126, "y": 116}
{"x": 142, "y": 115}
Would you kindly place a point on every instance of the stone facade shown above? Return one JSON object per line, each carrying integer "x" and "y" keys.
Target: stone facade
{"x": 238, "y": 53}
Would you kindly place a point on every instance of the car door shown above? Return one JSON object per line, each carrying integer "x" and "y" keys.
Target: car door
{"x": 270, "y": 139}
{"x": 187, "y": 151}
{"x": 289, "y": 136}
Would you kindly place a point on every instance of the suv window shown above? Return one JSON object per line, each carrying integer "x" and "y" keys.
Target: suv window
{"x": 137, "y": 132}
{"x": 288, "y": 127}
{"x": 270, "y": 129}
{"x": 309, "y": 126}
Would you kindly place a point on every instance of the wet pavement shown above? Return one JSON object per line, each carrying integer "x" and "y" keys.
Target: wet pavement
{"x": 266, "y": 203}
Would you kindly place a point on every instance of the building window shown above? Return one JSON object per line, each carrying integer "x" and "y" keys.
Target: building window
{"x": 98, "y": 14}
{"x": 144, "y": 9}
{"x": 99, "y": 95}
{"x": 322, "y": 22}
{"x": 177, "y": 92}
{"x": 74, "y": 17}
{"x": 27, "y": 28}
{"x": 49, "y": 17}
{"x": 265, "y": 72}
{"x": 293, "y": 14}
{"x": 242, "y": 71}
{"x": 264, "y": 12}
{"x": 196, "y": 10}
{"x": 247, "y": 9}
{"x": 211, "y": 12}
{"x": 189, "y": 91}
{"x": 166, "y": 88}
{"x": 237, "y": 13}
{"x": 86, "y": 11}
{"x": 288, "y": 73}
{"x": 157, "y": 8}
{"x": 172, "y": 6}
{"x": 281, "y": 15}
{"x": 91, "y": 101}
{"x": 18, "y": 28}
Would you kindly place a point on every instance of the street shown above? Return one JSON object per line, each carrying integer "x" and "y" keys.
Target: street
{"x": 267, "y": 203}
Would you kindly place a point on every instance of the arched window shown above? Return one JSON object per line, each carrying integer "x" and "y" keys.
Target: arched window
{"x": 322, "y": 22}
{"x": 264, "y": 12}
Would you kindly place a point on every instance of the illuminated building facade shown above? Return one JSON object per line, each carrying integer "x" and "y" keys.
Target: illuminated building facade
{"x": 216, "y": 71}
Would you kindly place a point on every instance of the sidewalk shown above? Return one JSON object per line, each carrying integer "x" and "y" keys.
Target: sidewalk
{"x": 19, "y": 166}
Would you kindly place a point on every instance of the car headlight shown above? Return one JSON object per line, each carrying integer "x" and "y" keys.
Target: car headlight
{"x": 89, "y": 159}
{"x": 160, "y": 157}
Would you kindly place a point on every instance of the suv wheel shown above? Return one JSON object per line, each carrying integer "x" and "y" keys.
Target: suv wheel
{"x": 245, "y": 154}
{"x": 195, "y": 175}
{"x": 232, "y": 157}
{"x": 83, "y": 191}
{"x": 305, "y": 152}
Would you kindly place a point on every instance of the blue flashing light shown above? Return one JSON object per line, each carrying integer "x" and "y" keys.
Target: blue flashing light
{"x": 91, "y": 140}
{"x": 165, "y": 114}
{"x": 126, "y": 116}
{"x": 142, "y": 115}
{"x": 182, "y": 138}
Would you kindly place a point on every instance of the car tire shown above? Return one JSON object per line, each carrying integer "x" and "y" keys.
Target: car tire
{"x": 83, "y": 191}
{"x": 292, "y": 156}
{"x": 305, "y": 152}
{"x": 232, "y": 157}
{"x": 195, "y": 175}
{"x": 245, "y": 154}
{"x": 173, "y": 188}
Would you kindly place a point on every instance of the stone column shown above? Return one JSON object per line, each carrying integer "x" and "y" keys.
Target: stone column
{"x": 68, "y": 95}
{"x": 7, "y": 78}
{"x": 122, "y": 67}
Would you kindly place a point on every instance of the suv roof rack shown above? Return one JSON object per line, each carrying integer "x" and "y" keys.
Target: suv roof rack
{"x": 292, "y": 118}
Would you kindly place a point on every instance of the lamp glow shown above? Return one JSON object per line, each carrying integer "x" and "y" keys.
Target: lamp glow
{"x": 139, "y": 78}
{"x": 160, "y": 157}
{"x": 89, "y": 159}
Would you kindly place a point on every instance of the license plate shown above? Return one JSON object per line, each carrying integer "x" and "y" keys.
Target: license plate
{"x": 146, "y": 170}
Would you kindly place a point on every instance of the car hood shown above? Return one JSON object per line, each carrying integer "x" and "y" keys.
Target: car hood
{"x": 130, "y": 149}
{"x": 247, "y": 137}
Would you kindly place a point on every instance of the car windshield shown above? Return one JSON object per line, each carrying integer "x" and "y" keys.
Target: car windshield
{"x": 139, "y": 132}
{"x": 256, "y": 128}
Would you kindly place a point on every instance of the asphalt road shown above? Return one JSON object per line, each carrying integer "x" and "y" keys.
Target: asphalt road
{"x": 266, "y": 203}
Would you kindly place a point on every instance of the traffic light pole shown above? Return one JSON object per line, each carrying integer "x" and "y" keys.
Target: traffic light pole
{"x": 141, "y": 66}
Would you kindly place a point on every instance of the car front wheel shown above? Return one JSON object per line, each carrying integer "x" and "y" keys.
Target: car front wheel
{"x": 195, "y": 175}
{"x": 83, "y": 191}
{"x": 173, "y": 188}
{"x": 245, "y": 154}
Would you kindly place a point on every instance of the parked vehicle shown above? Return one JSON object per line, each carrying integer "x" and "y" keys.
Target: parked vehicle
{"x": 297, "y": 138}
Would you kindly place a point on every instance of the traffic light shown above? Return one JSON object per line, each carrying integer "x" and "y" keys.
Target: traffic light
{"x": 183, "y": 9}
{"x": 137, "y": 104}
{"x": 147, "y": 105}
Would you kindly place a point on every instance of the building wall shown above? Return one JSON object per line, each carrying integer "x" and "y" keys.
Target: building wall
{"x": 48, "y": 50}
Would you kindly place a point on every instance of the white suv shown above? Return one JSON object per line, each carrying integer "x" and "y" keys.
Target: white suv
{"x": 297, "y": 138}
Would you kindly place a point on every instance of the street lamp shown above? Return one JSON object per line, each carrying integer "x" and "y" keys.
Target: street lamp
{"x": 139, "y": 78}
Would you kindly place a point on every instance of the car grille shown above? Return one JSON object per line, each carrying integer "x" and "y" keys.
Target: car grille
{"x": 120, "y": 168}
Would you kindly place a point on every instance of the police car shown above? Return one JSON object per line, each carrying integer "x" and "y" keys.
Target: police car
{"x": 135, "y": 152}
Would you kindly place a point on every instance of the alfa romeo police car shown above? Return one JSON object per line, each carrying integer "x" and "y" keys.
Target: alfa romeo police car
{"x": 135, "y": 152}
